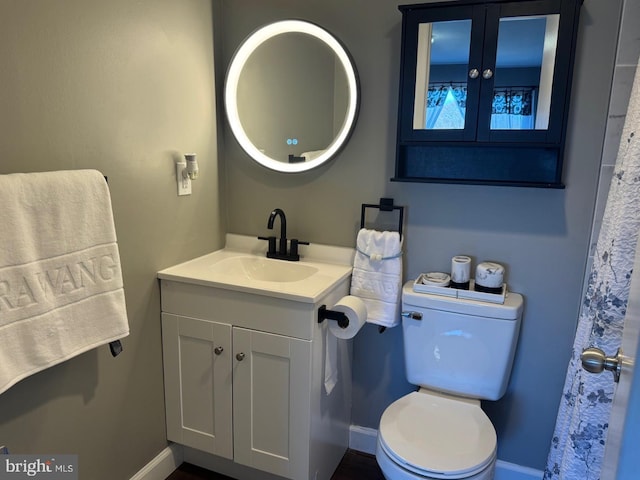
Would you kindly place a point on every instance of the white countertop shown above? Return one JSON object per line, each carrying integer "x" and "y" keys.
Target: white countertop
{"x": 333, "y": 265}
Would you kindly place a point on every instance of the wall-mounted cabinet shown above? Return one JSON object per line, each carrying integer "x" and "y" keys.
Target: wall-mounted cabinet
{"x": 485, "y": 90}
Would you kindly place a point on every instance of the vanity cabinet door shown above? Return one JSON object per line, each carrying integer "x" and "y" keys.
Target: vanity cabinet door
{"x": 271, "y": 402}
{"x": 197, "y": 382}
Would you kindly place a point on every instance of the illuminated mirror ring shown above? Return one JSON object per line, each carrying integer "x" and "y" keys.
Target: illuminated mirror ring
{"x": 231, "y": 89}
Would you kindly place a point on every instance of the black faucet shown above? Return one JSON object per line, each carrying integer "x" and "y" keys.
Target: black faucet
{"x": 281, "y": 254}
{"x": 283, "y": 229}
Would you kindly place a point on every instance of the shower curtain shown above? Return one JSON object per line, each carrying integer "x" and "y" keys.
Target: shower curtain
{"x": 579, "y": 439}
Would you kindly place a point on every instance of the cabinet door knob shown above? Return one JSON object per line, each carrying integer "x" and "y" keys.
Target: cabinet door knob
{"x": 487, "y": 74}
{"x": 240, "y": 356}
{"x": 218, "y": 350}
{"x": 473, "y": 73}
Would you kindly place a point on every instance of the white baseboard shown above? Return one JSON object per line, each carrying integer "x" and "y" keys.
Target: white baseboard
{"x": 162, "y": 465}
{"x": 363, "y": 439}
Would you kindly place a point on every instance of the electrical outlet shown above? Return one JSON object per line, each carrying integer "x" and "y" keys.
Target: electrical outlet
{"x": 184, "y": 182}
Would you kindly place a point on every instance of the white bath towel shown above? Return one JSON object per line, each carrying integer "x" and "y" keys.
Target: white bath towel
{"x": 377, "y": 275}
{"x": 60, "y": 279}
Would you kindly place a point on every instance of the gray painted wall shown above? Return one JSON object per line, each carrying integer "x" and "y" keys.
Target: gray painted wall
{"x": 542, "y": 236}
{"x": 122, "y": 87}
{"x": 126, "y": 86}
{"x": 624, "y": 73}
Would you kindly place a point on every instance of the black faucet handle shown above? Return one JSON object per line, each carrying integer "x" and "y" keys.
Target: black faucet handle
{"x": 272, "y": 243}
{"x": 293, "y": 250}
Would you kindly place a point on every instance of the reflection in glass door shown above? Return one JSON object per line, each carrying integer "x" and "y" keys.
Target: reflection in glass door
{"x": 441, "y": 76}
{"x": 524, "y": 72}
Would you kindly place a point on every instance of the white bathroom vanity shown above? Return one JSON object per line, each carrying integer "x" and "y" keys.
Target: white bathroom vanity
{"x": 244, "y": 361}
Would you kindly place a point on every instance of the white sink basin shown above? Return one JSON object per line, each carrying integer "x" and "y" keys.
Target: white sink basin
{"x": 243, "y": 266}
{"x": 262, "y": 269}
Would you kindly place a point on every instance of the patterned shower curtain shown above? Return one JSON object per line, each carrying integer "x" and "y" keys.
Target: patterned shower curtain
{"x": 580, "y": 434}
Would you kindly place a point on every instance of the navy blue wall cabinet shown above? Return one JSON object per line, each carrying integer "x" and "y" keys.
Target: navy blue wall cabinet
{"x": 484, "y": 91}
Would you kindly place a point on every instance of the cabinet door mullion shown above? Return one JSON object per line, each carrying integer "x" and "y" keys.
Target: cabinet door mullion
{"x": 489, "y": 54}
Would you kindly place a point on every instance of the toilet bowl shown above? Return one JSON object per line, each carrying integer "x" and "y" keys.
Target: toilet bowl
{"x": 430, "y": 435}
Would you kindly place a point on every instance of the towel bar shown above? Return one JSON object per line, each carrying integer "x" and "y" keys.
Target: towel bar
{"x": 385, "y": 205}
{"x": 116, "y": 346}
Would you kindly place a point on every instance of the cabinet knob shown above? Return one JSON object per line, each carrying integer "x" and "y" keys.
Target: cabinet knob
{"x": 218, "y": 350}
{"x": 240, "y": 356}
{"x": 487, "y": 74}
{"x": 474, "y": 72}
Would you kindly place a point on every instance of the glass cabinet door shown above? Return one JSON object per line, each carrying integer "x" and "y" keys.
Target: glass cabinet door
{"x": 521, "y": 97}
{"x": 444, "y": 103}
{"x": 441, "y": 80}
{"x": 521, "y": 85}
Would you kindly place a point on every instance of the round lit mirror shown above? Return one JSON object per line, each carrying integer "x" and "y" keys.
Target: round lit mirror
{"x": 291, "y": 96}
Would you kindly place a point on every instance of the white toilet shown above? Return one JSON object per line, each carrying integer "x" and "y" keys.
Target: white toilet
{"x": 458, "y": 351}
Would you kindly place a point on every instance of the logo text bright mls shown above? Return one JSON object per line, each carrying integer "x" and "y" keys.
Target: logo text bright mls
{"x": 30, "y": 468}
{"x": 15, "y": 467}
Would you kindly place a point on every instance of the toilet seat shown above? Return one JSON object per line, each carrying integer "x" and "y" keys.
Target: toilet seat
{"x": 439, "y": 436}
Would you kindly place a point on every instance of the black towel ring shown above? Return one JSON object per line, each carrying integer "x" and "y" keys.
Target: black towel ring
{"x": 385, "y": 205}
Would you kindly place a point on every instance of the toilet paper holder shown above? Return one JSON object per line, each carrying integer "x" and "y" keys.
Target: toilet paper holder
{"x": 325, "y": 314}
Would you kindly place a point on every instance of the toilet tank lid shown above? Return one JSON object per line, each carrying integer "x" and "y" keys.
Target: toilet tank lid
{"x": 511, "y": 309}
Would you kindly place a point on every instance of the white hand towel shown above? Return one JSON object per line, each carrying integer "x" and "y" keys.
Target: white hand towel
{"x": 377, "y": 275}
{"x": 61, "y": 290}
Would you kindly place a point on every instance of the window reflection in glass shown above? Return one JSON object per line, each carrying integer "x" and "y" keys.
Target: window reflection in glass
{"x": 524, "y": 72}
{"x": 446, "y": 106}
{"x": 441, "y": 76}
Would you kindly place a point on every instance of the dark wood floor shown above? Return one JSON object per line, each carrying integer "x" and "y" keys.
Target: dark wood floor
{"x": 354, "y": 466}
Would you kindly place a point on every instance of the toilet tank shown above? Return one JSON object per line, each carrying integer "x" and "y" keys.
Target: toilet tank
{"x": 462, "y": 347}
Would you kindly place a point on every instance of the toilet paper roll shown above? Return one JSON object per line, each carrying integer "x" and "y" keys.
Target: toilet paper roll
{"x": 489, "y": 275}
{"x": 460, "y": 271}
{"x": 356, "y": 312}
